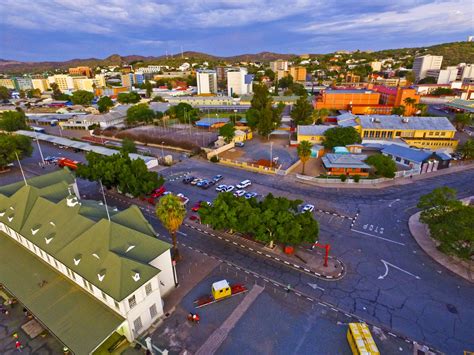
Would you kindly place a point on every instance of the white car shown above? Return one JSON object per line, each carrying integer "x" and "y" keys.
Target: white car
{"x": 239, "y": 193}
{"x": 183, "y": 198}
{"x": 244, "y": 184}
{"x": 308, "y": 208}
{"x": 229, "y": 188}
{"x": 221, "y": 188}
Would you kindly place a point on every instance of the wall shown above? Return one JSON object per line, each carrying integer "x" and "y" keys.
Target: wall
{"x": 249, "y": 166}
{"x": 220, "y": 150}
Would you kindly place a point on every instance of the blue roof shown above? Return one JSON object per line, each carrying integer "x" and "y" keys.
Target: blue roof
{"x": 209, "y": 121}
{"x": 411, "y": 154}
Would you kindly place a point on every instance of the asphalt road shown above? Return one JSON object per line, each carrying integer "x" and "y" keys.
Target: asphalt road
{"x": 390, "y": 281}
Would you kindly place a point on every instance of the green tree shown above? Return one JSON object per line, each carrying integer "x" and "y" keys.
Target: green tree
{"x": 270, "y": 73}
{"x": 266, "y": 123}
{"x": 302, "y": 111}
{"x": 12, "y": 121}
{"x": 184, "y": 112}
{"x": 4, "y": 93}
{"x": 104, "y": 104}
{"x": 467, "y": 149}
{"x": 148, "y": 88}
{"x": 33, "y": 93}
{"x": 128, "y": 98}
{"x": 442, "y": 92}
{"x": 10, "y": 145}
{"x": 462, "y": 120}
{"x": 57, "y": 93}
{"x": 128, "y": 146}
{"x": 82, "y": 97}
{"x": 409, "y": 102}
{"x": 139, "y": 113}
{"x": 171, "y": 212}
{"x": 304, "y": 152}
{"x": 262, "y": 115}
{"x": 422, "y": 109}
{"x": 384, "y": 165}
{"x": 427, "y": 80}
{"x": 228, "y": 132}
{"x": 319, "y": 115}
{"x": 286, "y": 82}
{"x": 400, "y": 110}
{"x": 340, "y": 136}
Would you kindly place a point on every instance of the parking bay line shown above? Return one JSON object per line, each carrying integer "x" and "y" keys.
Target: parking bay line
{"x": 376, "y": 236}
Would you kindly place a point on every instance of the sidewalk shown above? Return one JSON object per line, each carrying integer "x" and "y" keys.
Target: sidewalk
{"x": 310, "y": 262}
{"x": 394, "y": 182}
{"x": 420, "y": 232}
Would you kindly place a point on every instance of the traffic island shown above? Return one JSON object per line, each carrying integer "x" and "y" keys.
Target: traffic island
{"x": 311, "y": 262}
{"x": 421, "y": 233}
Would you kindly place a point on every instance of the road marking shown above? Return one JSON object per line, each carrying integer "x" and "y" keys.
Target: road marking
{"x": 315, "y": 287}
{"x": 182, "y": 233}
{"x": 391, "y": 203}
{"x": 387, "y": 264}
{"x": 376, "y": 236}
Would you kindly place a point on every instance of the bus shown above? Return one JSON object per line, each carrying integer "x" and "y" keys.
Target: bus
{"x": 360, "y": 340}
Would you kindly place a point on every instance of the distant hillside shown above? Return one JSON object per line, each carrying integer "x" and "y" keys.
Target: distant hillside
{"x": 453, "y": 53}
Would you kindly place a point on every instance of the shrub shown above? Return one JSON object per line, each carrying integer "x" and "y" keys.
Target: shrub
{"x": 356, "y": 178}
{"x": 214, "y": 159}
{"x": 343, "y": 177}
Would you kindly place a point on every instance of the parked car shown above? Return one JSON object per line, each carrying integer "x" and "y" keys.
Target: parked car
{"x": 202, "y": 182}
{"x": 195, "y": 181}
{"x": 196, "y": 206}
{"x": 239, "y": 193}
{"x": 307, "y": 208}
{"x": 249, "y": 195}
{"x": 239, "y": 144}
{"x": 217, "y": 178}
{"x": 158, "y": 192}
{"x": 244, "y": 184}
{"x": 229, "y": 188}
{"x": 212, "y": 182}
{"x": 183, "y": 198}
{"x": 188, "y": 179}
{"x": 221, "y": 188}
{"x": 194, "y": 218}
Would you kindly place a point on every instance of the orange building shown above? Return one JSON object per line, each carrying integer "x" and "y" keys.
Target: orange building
{"x": 298, "y": 73}
{"x": 82, "y": 71}
{"x": 397, "y": 96}
{"x": 344, "y": 99}
{"x": 371, "y": 109}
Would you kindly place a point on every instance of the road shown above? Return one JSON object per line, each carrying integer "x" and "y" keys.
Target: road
{"x": 389, "y": 280}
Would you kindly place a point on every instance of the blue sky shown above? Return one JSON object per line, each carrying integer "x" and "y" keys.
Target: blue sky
{"x": 37, "y": 30}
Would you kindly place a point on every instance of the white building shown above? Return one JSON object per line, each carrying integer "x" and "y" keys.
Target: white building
{"x": 238, "y": 82}
{"x": 467, "y": 71}
{"x": 65, "y": 82}
{"x": 376, "y": 66}
{"x": 40, "y": 84}
{"x": 444, "y": 76}
{"x": 279, "y": 65}
{"x": 206, "y": 82}
{"x": 422, "y": 64}
{"x": 184, "y": 66}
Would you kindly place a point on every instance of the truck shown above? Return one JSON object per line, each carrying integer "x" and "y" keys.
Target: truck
{"x": 71, "y": 164}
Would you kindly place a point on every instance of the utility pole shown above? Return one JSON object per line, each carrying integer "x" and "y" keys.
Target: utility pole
{"x": 39, "y": 147}
{"x": 21, "y": 169}
{"x": 271, "y": 154}
{"x": 105, "y": 201}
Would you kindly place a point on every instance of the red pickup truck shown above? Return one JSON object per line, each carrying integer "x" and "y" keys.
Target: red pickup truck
{"x": 72, "y": 164}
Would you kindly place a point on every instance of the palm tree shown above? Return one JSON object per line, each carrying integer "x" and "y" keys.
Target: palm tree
{"x": 304, "y": 152}
{"x": 171, "y": 212}
{"x": 409, "y": 102}
{"x": 319, "y": 116}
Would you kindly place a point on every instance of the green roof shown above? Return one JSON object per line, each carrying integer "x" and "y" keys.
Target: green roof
{"x": 80, "y": 321}
{"x": 112, "y": 255}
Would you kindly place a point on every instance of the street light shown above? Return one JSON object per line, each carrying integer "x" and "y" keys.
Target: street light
{"x": 271, "y": 154}
{"x": 162, "y": 151}
{"x": 39, "y": 147}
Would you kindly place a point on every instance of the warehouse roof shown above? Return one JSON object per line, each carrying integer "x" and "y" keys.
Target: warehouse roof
{"x": 405, "y": 123}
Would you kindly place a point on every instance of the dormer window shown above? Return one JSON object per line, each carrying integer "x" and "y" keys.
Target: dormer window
{"x": 101, "y": 275}
{"x": 77, "y": 259}
{"x": 35, "y": 229}
{"x": 95, "y": 255}
{"x": 130, "y": 247}
{"x": 136, "y": 276}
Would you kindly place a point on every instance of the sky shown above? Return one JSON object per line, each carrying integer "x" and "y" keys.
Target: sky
{"x": 40, "y": 30}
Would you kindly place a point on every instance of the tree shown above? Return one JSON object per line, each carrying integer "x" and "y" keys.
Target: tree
{"x": 82, "y": 97}
{"x": 286, "y": 82}
{"x": 266, "y": 124}
{"x": 400, "y": 110}
{"x": 302, "y": 111}
{"x": 462, "y": 120}
{"x": 184, "y": 112}
{"x": 22, "y": 94}
{"x": 128, "y": 146}
{"x": 33, "y": 93}
{"x": 104, "y": 104}
{"x": 262, "y": 115}
{"x": 270, "y": 73}
{"x": 228, "y": 132}
{"x": 427, "y": 80}
{"x": 12, "y": 121}
{"x": 57, "y": 93}
{"x": 442, "y": 92}
{"x": 4, "y": 93}
{"x": 467, "y": 149}
{"x": 319, "y": 115}
{"x": 304, "y": 152}
{"x": 12, "y": 145}
{"x": 128, "y": 98}
{"x": 422, "y": 109}
{"x": 148, "y": 88}
{"x": 437, "y": 202}
{"x": 384, "y": 165}
{"x": 340, "y": 136}
{"x": 139, "y": 113}
{"x": 409, "y": 102}
{"x": 171, "y": 212}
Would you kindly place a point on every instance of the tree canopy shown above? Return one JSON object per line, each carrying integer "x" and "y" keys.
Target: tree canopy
{"x": 302, "y": 111}
{"x": 128, "y": 97}
{"x": 12, "y": 121}
{"x": 184, "y": 112}
{"x": 140, "y": 113}
{"x": 104, "y": 104}
{"x": 462, "y": 120}
{"x": 340, "y": 136}
{"x": 228, "y": 132}
{"x": 11, "y": 144}
{"x": 467, "y": 149}
{"x": 384, "y": 165}
{"x": 82, "y": 97}
{"x": 4, "y": 93}
{"x": 128, "y": 146}
{"x": 262, "y": 115}
{"x": 171, "y": 212}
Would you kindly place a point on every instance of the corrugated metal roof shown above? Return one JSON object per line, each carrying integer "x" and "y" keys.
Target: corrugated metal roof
{"x": 345, "y": 161}
{"x": 411, "y": 154}
{"x": 412, "y": 123}
{"x": 313, "y": 130}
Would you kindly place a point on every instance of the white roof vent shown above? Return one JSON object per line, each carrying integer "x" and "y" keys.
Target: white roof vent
{"x": 10, "y": 218}
{"x": 96, "y": 255}
{"x": 35, "y": 229}
{"x": 130, "y": 248}
{"x": 101, "y": 275}
{"x": 48, "y": 239}
{"x": 136, "y": 276}
{"x": 52, "y": 223}
{"x": 72, "y": 201}
{"x": 2, "y": 213}
{"x": 11, "y": 207}
{"x": 77, "y": 259}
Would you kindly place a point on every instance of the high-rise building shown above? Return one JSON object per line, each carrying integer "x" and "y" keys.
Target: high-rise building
{"x": 467, "y": 71}
{"x": 447, "y": 76}
{"x": 8, "y": 83}
{"x": 81, "y": 71}
{"x": 422, "y": 64}
{"x": 41, "y": 84}
{"x": 64, "y": 82}
{"x": 23, "y": 83}
{"x": 279, "y": 64}
{"x": 127, "y": 80}
{"x": 99, "y": 81}
{"x": 239, "y": 82}
{"x": 298, "y": 73}
{"x": 206, "y": 82}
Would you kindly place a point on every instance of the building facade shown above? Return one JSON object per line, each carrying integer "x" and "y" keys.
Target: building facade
{"x": 206, "y": 82}
{"x": 81, "y": 71}
{"x": 422, "y": 64}
{"x": 65, "y": 82}
{"x": 8, "y": 83}
{"x": 239, "y": 82}
{"x": 40, "y": 84}
{"x": 298, "y": 73}
{"x": 22, "y": 83}
{"x": 344, "y": 99}
{"x": 279, "y": 64}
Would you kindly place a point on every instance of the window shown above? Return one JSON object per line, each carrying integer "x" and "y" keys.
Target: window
{"x": 148, "y": 288}
{"x": 406, "y": 162}
{"x": 56, "y": 263}
{"x": 437, "y": 134}
{"x": 117, "y": 305}
{"x": 443, "y": 133}
{"x": 132, "y": 302}
{"x": 398, "y": 133}
{"x": 104, "y": 296}
{"x": 153, "y": 312}
{"x": 137, "y": 323}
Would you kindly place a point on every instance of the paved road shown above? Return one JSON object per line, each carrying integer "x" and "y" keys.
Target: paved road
{"x": 390, "y": 281}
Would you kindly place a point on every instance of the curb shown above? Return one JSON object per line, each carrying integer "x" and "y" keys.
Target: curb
{"x": 274, "y": 257}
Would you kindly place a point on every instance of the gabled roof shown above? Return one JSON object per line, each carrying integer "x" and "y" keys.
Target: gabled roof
{"x": 313, "y": 130}
{"x": 345, "y": 161}
{"x": 411, "y": 154}
{"x": 405, "y": 123}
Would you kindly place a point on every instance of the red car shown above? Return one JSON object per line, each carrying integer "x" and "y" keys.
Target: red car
{"x": 197, "y": 206}
{"x": 194, "y": 218}
{"x": 158, "y": 192}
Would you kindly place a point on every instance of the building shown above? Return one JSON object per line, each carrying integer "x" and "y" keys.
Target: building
{"x": 467, "y": 71}
{"x": 298, "y": 73}
{"x": 151, "y": 69}
{"x": 423, "y": 160}
{"x": 115, "y": 117}
{"x": 461, "y": 105}
{"x": 239, "y": 82}
{"x": 203, "y": 100}
{"x": 110, "y": 273}
{"x": 345, "y": 164}
{"x": 422, "y": 64}
{"x": 81, "y": 71}
{"x": 376, "y": 66}
{"x": 8, "y": 83}
{"x": 64, "y": 82}
{"x": 279, "y": 64}
{"x": 344, "y": 99}
{"x": 391, "y": 81}
{"x": 419, "y": 132}
{"x": 22, "y": 83}
{"x": 398, "y": 96}
{"x": 206, "y": 82}
{"x": 443, "y": 76}
{"x": 83, "y": 83}
{"x": 40, "y": 84}
{"x": 311, "y": 133}
{"x": 127, "y": 80}
{"x": 99, "y": 81}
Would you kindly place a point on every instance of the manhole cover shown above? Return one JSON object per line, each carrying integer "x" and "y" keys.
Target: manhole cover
{"x": 452, "y": 308}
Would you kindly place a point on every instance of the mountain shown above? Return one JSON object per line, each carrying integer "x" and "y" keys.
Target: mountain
{"x": 453, "y": 53}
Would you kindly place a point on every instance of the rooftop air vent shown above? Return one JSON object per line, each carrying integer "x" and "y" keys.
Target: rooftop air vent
{"x": 130, "y": 247}
{"x": 35, "y": 229}
{"x": 101, "y": 275}
{"x": 136, "y": 276}
{"x": 77, "y": 259}
{"x": 95, "y": 255}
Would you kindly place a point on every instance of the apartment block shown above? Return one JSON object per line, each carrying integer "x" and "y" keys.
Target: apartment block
{"x": 298, "y": 73}
{"x": 206, "y": 82}
{"x": 8, "y": 83}
{"x": 41, "y": 84}
{"x": 239, "y": 82}
{"x": 422, "y": 64}
{"x": 81, "y": 71}
{"x": 65, "y": 82}
{"x": 279, "y": 64}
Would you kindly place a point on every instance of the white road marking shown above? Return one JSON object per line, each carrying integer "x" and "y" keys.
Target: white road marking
{"x": 376, "y": 236}
{"x": 315, "y": 287}
{"x": 387, "y": 264}
{"x": 391, "y": 203}
{"x": 183, "y": 234}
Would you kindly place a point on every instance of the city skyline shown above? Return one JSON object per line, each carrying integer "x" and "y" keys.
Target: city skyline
{"x": 87, "y": 28}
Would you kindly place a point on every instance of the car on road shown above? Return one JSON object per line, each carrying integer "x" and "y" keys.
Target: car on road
{"x": 239, "y": 193}
{"x": 239, "y": 144}
{"x": 158, "y": 192}
{"x": 244, "y": 184}
{"x": 50, "y": 159}
{"x": 183, "y": 198}
{"x": 229, "y": 188}
{"x": 195, "y": 181}
{"x": 202, "y": 182}
{"x": 196, "y": 206}
{"x": 307, "y": 208}
{"x": 194, "y": 218}
{"x": 188, "y": 179}
{"x": 249, "y": 195}
{"x": 221, "y": 188}
{"x": 217, "y": 178}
